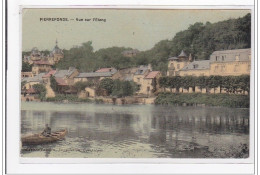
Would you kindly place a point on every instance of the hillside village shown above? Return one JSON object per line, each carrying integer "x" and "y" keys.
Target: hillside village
{"x": 142, "y": 82}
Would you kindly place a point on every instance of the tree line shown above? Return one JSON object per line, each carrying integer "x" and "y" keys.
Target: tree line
{"x": 109, "y": 87}
{"x": 199, "y": 39}
{"x": 231, "y": 84}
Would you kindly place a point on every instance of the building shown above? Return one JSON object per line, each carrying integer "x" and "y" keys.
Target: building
{"x": 150, "y": 83}
{"x": 177, "y": 63}
{"x": 92, "y": 76}
{"x": 130, "y": 53}
{"x": 63, "y": 77}
{"x": 56, "y": 54}
{"x": 196, "y": 68}
{"x": 111, "y": 70}
{"x": 30, "y": 81}
{"x": 147, "y": 80}
{"x": 141, "y": 73}
{"x": 41, "y": 66}
{"x": 125, "y": 74}
{"x": 224, "y": 63}
{"x": 54, "y": 57}
{"x": 230, "y": 62}
{"x": 26, "y": 74}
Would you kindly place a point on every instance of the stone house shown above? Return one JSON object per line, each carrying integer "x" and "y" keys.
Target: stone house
{"x": 92, "y": 76}
{"x": 230, "y": 62}
{"x": 41, "y": 66}
{"x": 30, "y": 81}
{"x": 125, "y": 74}
{"x": 224, "y": 63}
{"x": 150, "y": 83}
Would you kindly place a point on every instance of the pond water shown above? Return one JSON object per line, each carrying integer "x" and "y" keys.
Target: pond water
{"x": 137, "y": 131}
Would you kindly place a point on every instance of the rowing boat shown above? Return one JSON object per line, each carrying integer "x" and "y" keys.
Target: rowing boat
{"x": 37, "y": 139}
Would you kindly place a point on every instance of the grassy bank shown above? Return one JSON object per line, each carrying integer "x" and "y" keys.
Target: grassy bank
{"x": 228, "y": 100}
{"x": 71, "y": 98}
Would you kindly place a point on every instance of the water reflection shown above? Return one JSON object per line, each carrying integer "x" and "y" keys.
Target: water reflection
{"x": 139, "y": 131}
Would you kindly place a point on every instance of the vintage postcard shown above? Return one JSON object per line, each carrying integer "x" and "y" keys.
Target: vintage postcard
{"x": 135, "y": 83}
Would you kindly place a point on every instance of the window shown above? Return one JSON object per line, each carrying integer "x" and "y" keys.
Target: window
{"x": 148, "y": 89}
{"x": 236, "y": 68}
{"x": 222, "y": 58}
{"x": 216, "y": 58}
{"x": 248, "y": 68}
{"x": 237, "y": 57}
{"x": 195, "y": 66}
{"x": 178, "y": 66}
{"x": 216, "y": 69}
{"x": 138, "y": 80}
{"x": 223, "y": 68}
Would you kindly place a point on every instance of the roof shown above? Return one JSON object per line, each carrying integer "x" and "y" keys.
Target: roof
{"x": 183, "y": 54}
{"x": 112, "y": 70}
{"x": 152, "y": 74}
{"x": 234, "y": 51}
{"x": 230, "y": 55}
{"x": 197, "y": 65}
{"x": 31, "y": 91}
{"x": 42, "y": 62}
{"x": 36, "y": 78}
{"x": 61, "y": 82}
{"x": 94, "y": 74}
{"x": 63, "y": 73}
{"x": 141, "y": 70}
{"x": 49, "y": 74}
{"x": 173, "y": 58}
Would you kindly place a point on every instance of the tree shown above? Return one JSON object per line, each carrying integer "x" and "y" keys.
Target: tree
{"x": 22, "y": 85}
{"x": 80, "y": 86}
{"x": 107, "y": 84}
{"x": 41, "y": 90}
{"x": 54, "y": 84}
{"x": 127, "y": 88}
{"x": 26, "y": 67}
{"x": 163, "y": 82}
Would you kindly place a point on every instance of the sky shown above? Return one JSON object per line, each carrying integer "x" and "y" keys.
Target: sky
{"x": 138, "y": 29}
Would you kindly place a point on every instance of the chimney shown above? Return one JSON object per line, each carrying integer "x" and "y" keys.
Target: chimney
{"x": 150, "y": 67}
{"x": 190, "y": 57}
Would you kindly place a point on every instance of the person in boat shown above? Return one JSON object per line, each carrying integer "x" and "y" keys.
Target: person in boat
{"x": 46, "y": 131}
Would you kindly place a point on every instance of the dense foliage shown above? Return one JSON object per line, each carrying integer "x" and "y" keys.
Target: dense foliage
{"x": 227, "y": 100}
{"x": 26, "y": 67}
{"x": 199, "y": 39}
{"x": 54, "y": 84}
{"x": 231, "y": 84}
{"x": 69, "y": 98}
{"x": 41, "y": 90}
{"x": 80, "y": 86}
{"x": 117, "y": 87}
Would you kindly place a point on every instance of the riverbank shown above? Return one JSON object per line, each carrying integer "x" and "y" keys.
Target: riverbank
{"x": 98, "y": 100}
{"x": 227, "y": 100}
{"x": 164, "y": 98}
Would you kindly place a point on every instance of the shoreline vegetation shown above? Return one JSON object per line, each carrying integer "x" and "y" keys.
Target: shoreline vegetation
{"x": 166, "y": 98}
{"x": 191, "y": 99}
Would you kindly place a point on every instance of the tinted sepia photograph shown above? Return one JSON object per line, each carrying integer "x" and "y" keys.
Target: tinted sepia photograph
{"x": 135, "y": 83}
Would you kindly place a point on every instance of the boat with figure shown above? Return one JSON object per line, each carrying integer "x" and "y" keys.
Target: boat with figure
{"x": 38, "y": 139}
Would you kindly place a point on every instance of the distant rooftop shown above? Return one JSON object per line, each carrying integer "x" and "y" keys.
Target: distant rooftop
{"x": 141, "y": 70}
{"x": 94, "y": 74}
{"x": 36, "y": 78}
{"x": 197, "y": 65}
{"x": 182, "y": 54}
{"x": 152, "y": 74}
{"x": 112, "y": 70}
